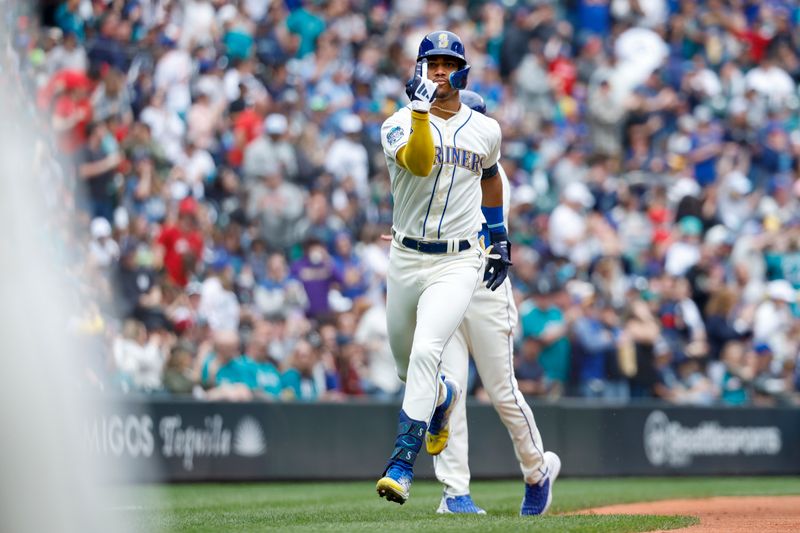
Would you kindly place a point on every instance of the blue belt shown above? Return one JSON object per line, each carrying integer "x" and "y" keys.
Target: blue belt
{"x": 432, "y": 247}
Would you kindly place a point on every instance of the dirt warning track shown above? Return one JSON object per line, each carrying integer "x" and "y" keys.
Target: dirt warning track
{"x": 760, "y": 514}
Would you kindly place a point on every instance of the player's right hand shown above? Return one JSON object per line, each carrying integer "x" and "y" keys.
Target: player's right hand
{"x": 421, "y": 90}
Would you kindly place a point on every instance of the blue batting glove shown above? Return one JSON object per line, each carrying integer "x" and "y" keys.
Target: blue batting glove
{"x": 497, "y": 263}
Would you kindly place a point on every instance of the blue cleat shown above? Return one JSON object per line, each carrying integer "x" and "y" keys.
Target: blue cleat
{"x": 539, "y": 496}
{"x": 395, "y": 485}
{"x": 458, "y": 505}
{"x": 439, "y": 428}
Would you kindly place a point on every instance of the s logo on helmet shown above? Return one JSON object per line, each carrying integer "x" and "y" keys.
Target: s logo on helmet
{"x": 443, "y": 41}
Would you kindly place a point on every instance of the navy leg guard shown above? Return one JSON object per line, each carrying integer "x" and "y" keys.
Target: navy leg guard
{"x": 410, "y": 434}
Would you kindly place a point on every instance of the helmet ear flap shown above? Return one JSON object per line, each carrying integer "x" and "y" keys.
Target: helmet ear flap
{"x": 458, "y": 79}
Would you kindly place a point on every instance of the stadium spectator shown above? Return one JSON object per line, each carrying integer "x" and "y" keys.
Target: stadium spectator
{"x": 71, "y": 18}
{"x": 605, "y": 116}
{"x": 527, "y": 369}
{"x": 734, "y": 205}
{"x": 722, "y": 324}
{"x": 99, "y": 160}
{"x": 543, "y": 320}
{"x": 138, "y": 357}
{"x": 224, "y": 372}
{"x": 595, "y": 336}
{"x": 567, "y": 229}
{"x": 355, "y": 280}
{"x": 351, "y": 365}
{"x": 278, "y": 291}
{"x": 372, "y": 334}
{"x": 219, "y": 304}
{"x": 318, "y": 223}
{"x": 304, "y": 379}
{"x": 111, "y": 100}
{"x": 642, "y": 330}
{"x": 695, "y": 387}
{"x": 103, "y": 249}
{"x": 271, "y": 148}
{"x": 266, "y": 378}
{"x": 347, "y": 157}
{"x": 773, "y": 322}
{"x": 180, "y": 244}
{"x": 178, "y": 371}
{"x": 134, "y": 281}
{"x": 275, "y": 205}
{"x": 67, "y": 54}
{"x": 684, "y": 253}
{"x": 735, "y": 375}
{"x": 770, "y": 383}
{"x": 317, "y": 272}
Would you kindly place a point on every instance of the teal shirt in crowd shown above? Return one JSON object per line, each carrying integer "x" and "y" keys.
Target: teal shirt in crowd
{"x": 70, "y": 21}
{"x": 784, "y": 266}
{"x": 308, "y": 26}
{"x": 554, "y": 358}
{"x": 304, "y": 388}
{"x": 733, "y": 391}
{"x": 238, "y": 44}
{"x": 237, "y": 370}
{"x": 266, "y": 378}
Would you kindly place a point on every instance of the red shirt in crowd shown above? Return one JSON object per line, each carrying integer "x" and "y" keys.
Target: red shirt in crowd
{"x": 756, "y": 41}
{"x": 71, "y": 140}
{"x": 68, "y": 92}
{"x": 564, "y": 73}
{"x": 182, "y": 251}
{"x": 246, "y": 127}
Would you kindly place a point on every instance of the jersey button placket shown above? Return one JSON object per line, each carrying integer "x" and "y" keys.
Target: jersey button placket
{"x": 447, "y": 173}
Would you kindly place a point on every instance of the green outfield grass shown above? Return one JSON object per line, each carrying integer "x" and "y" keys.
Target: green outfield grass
{"x": 354, "y": 506}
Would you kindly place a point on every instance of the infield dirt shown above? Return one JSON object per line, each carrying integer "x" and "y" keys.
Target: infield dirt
{"x": 762, "y": 514}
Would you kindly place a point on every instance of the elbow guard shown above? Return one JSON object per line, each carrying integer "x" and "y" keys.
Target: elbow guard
{"x": 489, "y": 172}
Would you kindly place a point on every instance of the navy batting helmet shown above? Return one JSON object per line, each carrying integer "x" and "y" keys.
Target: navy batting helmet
{"x": 473, "y": 100}
{"x": 446, "y": 43}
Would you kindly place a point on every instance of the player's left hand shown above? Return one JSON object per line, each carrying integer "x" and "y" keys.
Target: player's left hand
{"x": 497, "y": 263}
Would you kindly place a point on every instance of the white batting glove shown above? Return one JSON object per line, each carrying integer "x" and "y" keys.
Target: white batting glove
{"x": 420, "y": 90}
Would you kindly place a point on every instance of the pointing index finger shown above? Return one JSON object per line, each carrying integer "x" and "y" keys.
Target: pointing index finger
{"x": 424, "y": 72}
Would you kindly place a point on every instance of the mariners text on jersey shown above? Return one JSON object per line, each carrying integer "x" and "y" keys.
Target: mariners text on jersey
{"x": 459, "y": 156}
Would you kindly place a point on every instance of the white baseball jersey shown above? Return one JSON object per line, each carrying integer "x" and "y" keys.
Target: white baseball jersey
{"x": 446, "y": 204}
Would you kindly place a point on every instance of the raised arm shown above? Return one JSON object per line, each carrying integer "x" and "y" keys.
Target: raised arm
{"x": 417, "y": 154}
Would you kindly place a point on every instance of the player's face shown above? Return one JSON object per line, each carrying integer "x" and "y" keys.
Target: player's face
{"x": 439, "y": 70}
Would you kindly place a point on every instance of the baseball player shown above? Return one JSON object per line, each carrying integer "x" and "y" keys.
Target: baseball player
{"x": 442, "y": 160}
{"x": 486, "y": 333}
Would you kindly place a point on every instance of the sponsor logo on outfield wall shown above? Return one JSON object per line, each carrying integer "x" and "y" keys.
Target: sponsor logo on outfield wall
{"x": 117, "y": 436}
{"x": 669, "y": 443}
{"x": 134, "y": 436}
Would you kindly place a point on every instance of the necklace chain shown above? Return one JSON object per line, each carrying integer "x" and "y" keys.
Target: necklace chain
{"x": 444, "y": 110}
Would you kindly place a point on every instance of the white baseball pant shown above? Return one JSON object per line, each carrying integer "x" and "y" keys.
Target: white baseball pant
{"x": 486, "y": 333}
{"x": 427, "y": 296}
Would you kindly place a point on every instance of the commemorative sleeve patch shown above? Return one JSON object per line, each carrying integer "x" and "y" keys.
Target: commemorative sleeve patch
{"x": 394, "y": 135}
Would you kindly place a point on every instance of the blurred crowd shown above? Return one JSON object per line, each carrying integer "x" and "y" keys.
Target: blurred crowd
{"x": 224, "y": 159}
